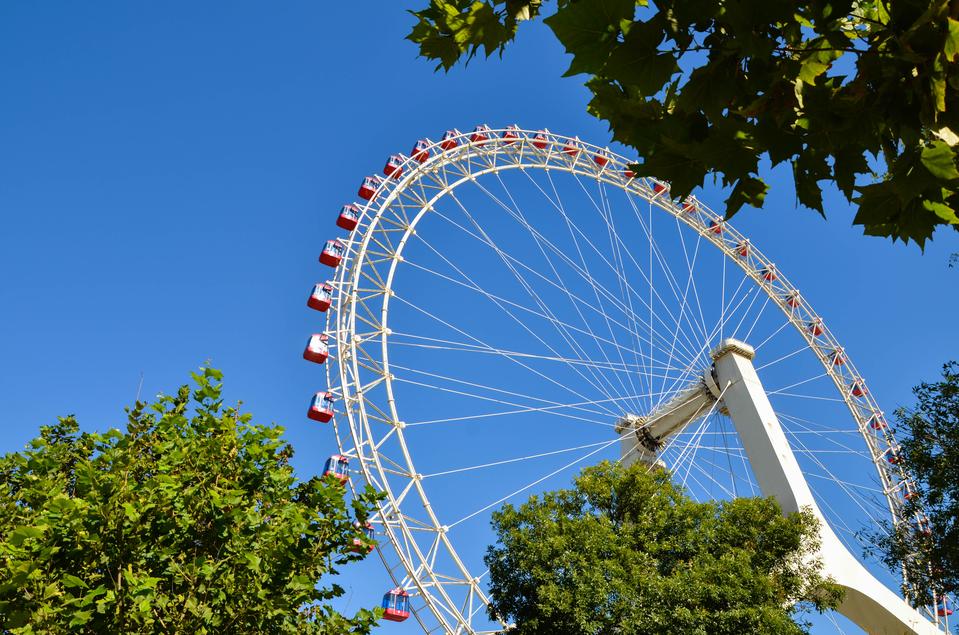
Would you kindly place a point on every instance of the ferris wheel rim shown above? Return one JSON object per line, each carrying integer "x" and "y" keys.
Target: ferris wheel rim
{"x": 348, "y": 277}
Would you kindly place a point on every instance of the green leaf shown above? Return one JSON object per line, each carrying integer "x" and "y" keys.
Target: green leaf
{"x": 21, "y": 534}
{"x": 940, "y": 160}
{"x": 521, "y": 10}
{"x": 883, "y": 211}
{"x": 847, "y": 163}
{"x": 951, "y": 47}
{"x": 748, "y": 191}
{"x": 589, "y": 31}
{"x": 72, "y": 582}
{"x": 807, "y": 189}
{"x": 94, "y": 594}
{"x": 80, "y": 618}
{"x": 937, "y": 86}
{"x": 879, "y": 205}
{"x": 681, "y": 170}
{"x": 811, "y": 68}
{"x": 639, "y": 62}
{"x": 943, "y": 211}
{"x": 131, "y": 512}
{"x": 450, "y": 29}
{"x": 712, "y": 87}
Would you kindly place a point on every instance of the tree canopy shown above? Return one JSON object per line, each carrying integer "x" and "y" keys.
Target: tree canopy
{"x": 626, "y": 551}
{"x": 929, "y": 434}
{"x": 189, "y": 521}
{"x": 863, "y": 94}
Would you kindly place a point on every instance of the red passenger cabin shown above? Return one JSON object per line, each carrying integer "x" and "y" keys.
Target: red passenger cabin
{"x": 768, "y": 273}
{"x": 449, "y": 139}
{"x": 716, "y": 226}
{"x": 317, "y": 348}
{"x": 858, "y": 389}
{"x": 481, "y": 134}
{"x": 421, "y": 150}
{"x": 322, "y": 296}
{"x": 332, "y": 253}
{"x": 877, "y": 421}
{"x": 743, "y": 249}
{"x": 321, "y": 408}
{"x": 601, "y": 160}
{"x": 943, "y": 609}
{"x": 349, "y": 217}
{"x": 363, "y": 546}
{"x": 540, "y": 139}
{"x": 838, "y": 357}
{"x": 659, "y": 188}
{"x": 628, "y": 173}
{"x": 394, "y": 165}
{"x": 396, "y": 605}
{"x": 571, "y": 148}
{"x": 689, "y": 205}
{"x": 368, "y": 188}
{"x": 816, "y": 327}
{"x": 338, "y": 467}
{"x": 792, "y": 300}
{"x": 511, "y": 134}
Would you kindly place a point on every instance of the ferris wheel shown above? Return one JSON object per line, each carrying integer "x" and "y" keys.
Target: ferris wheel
{"x": 505, "y": 307}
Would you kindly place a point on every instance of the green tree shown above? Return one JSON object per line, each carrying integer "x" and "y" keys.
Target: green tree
{"x": 860, "y": 93}
{"x": 929, "y": 434}
{"x": 628, "y": 552}
{"x": 189, "y": 521}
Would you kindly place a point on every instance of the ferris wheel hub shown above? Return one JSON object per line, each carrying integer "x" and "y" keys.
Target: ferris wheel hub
{"x": 732, "y": 345}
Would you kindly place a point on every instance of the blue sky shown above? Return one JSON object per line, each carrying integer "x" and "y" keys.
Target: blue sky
{"x": 168, "y": 174}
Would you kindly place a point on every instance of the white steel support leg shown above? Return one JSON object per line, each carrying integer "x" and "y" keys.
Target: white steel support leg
{"x": 867, "y": 602}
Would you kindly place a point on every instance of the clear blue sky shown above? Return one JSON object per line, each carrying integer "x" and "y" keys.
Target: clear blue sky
{"x": 168, "y": 173}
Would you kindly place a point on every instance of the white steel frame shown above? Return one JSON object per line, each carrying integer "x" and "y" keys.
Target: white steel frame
{"x": 359, "y": 353}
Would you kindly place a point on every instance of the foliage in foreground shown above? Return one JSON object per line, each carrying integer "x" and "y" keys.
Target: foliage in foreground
{"x": 190, "y": 521}
{"x": 929, "y": 434}
{"x": 863, "y": 94}
{"x": 628, "y": 552}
